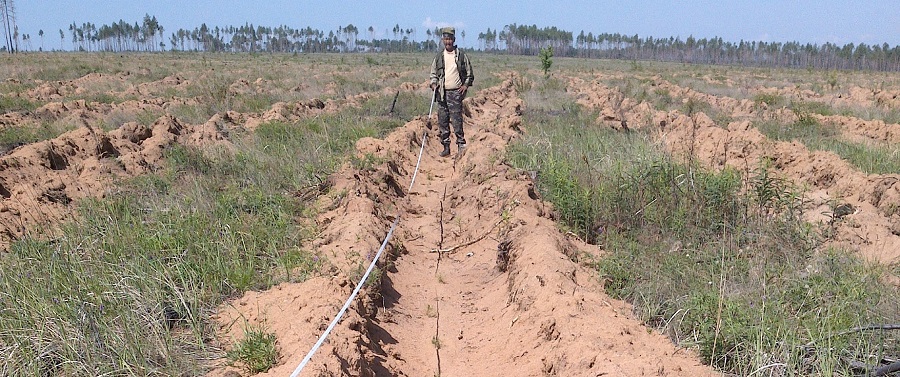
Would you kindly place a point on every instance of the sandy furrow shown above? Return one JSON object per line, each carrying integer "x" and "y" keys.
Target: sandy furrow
{"x": 41, "y": 183}
{"x": 434, "y": 318}
{"x": 873, "y": 227}
{"x": 514, "y": 300}
{"x": 853, "y": 128}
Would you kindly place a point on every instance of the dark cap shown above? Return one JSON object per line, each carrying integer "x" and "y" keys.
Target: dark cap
{"x": 448, "y": 32}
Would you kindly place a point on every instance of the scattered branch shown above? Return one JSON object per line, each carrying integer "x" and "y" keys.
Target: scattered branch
{"x": 462, "y": 245}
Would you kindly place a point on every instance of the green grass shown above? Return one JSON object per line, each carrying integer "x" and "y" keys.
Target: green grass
{"x": 14, "y": 136}
{"x": 803, "y": 109}
{"x": 117, "y": 118}
{"x": 127, "y": 289}
{"x": 102, "y": 98}
{"x": 891, "y": 116}
{"x": 719, "y": 261}
{"x": 256, "y": 352}
{"x": 78, "y": 65}
{"x": 574, "y": 205}
{"x": 10, "y": 103}
{"x": 875, "y": 158}
{"x": 182, "y": 244}
{"x": 769, "y": 99}
{"x": 639, "y": 90}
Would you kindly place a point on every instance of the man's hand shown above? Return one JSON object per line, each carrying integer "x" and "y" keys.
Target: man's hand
{"x": 433, "y": 87}
{"x": 462, "y": 89}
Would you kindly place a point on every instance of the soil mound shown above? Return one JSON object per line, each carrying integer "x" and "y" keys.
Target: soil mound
{"x": 478, "y": 279}
{"x": 39, "y": 181}
{"x": 872, "y": 228}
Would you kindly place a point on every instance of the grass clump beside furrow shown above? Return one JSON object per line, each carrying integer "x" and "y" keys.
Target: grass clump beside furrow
{"x": 719, "y": 261}
{"x": 128, "y": 287}
{"x": 15, "y": 102}
{"x": 256, "y": 352}
{"x": 15, "y": 136}
{"x": 870, "y": 158}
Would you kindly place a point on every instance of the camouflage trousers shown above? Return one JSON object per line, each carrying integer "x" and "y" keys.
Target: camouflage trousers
{"x": 450, "y": 111}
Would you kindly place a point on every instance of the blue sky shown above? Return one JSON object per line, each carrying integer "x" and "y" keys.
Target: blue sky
{"x": 836, "y": 21}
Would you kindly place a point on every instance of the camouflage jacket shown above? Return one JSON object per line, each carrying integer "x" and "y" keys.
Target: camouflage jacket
{"x": 462, "y": 63}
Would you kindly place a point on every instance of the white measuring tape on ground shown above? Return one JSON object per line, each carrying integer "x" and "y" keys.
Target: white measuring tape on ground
{"x": 418, "y": 162}
{"x": 365, "y": 276}
{"x": 422, "y": 148}
{"x": 346, "y": 304}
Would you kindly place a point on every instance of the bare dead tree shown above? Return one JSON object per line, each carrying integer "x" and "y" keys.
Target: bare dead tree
{"x": 8, "y": 13}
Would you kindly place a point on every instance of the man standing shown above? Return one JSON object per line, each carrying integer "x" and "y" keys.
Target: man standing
{"x": 451, "y": 76}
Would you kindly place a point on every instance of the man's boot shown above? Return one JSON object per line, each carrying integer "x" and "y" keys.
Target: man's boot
{"x": 446, "y": 151}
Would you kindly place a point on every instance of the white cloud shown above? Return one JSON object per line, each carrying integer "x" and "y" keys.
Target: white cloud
{"x": 431, "y": 24}
{"x": 428, "y": 23}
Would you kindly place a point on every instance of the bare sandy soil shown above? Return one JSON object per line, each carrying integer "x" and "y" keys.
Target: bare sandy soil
{"x": 40, "y": 181}
{"x": 507, "y": 296}
{"x": 478, "y": 280}
{"x": 872, "y": 226}
{"x": 852, "y": 128}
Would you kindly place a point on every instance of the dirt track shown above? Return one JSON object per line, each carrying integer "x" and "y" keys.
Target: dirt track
{"x": 464, "y": 312}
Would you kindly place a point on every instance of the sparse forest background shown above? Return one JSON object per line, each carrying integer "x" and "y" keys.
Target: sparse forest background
{"x": 150, "y": 35}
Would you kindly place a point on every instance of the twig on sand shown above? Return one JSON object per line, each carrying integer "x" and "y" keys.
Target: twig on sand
{"x": 462, "y": 245}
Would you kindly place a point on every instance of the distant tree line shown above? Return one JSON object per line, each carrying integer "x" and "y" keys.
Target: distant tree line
{"x": 249, "y": 38}
{"x": 148, "y": 35}
{"x": 529, "y": 40}
{"x": 120, "y": 36}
